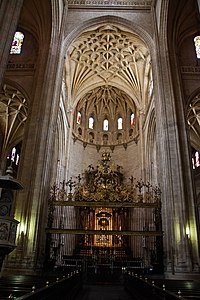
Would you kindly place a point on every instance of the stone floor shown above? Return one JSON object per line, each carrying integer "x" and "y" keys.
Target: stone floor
{"x": 103, "y": 292}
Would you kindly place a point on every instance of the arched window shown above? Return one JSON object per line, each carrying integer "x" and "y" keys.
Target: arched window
{"x": 91, "y": 122}
{"x": 14, "y": 155}
{"x": 13, "y": 158}
{"x": 195, "y": 159}
{"x": 197, "y": 45}
{"x": 132, "y": 119}
{"x": 17, "y": 42}
{"x": 78, "y": 119}
{"x": 105, "y": 125}
{"x": 119, "y": 123}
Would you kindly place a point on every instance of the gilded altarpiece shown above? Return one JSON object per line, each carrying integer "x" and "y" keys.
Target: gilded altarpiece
{"x": 114, "y": 217}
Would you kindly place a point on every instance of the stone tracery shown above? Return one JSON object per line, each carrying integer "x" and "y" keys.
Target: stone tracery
{"x": 110, "y": 55}
{"x": 13, "y": 112}
{"x": 193, "y": 119}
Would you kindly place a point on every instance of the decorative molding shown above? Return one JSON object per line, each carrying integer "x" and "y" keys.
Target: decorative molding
{"x": 103, "y": 232}
{"x": 105, "y": 204}
{"x": 8, "y": 228}
{"x": 110, "y": 4}
{"x": 190, "y": 70}
{"x": 19, "y": 66}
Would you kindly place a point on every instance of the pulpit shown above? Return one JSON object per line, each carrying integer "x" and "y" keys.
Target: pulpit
{"x": 8, "y": 225}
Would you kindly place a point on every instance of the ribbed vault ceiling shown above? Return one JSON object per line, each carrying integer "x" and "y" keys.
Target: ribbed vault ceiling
{"x": 106, "y": 100}
{"x": 108, "y": 55}
{"x": 193, "y": 118}
{"x": 13, "y": 115}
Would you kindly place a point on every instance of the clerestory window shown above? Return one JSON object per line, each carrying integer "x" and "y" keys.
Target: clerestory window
{"x": 197, "y": 45}
{"x": 91, "y": 122}
{"x": 119, "y": 121}
{"x": 105, "y": 125}
{"x": 195, "y": 159}
{"x": 78, "y": 118}
{"x": 132, "y": 119}
{"x": 17, "y": 42}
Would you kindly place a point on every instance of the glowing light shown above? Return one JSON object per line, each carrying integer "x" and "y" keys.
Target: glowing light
{"x": 187, "y": 230}
{"x": 21, "y": 228}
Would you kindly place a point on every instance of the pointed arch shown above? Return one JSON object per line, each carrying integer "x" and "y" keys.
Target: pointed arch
{"x": 16, "y": 47}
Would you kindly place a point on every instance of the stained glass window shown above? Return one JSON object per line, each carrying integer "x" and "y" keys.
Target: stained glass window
{"x": 17, "y": 43}
{"x": 119, "y": 123}
{"x": 17, "y": 159}
{"x": 91, "y": 122}
{"x": 132, "y": 119}
{"x": 13, "y": 158}
{"x": 78, "y": 119}
{"x": 195, "y": 159}
{"x": 197, "y": 45}
{"x": 105, "y": 125}
{"x": 13, "y": 154}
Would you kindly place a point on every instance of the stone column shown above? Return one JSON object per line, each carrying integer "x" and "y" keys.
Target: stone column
{"x": 141, "y": 121}
{"x": 177, "y": 196}
{"x": 198, "y": 1}
{"x": 9, "y": 16}
{"x": 36, "y": 166}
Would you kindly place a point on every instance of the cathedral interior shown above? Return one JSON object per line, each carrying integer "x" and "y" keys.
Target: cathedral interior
{"x": 100, "y": 137}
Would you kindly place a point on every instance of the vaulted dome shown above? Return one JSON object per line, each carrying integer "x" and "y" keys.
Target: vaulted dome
{"x": 106, "y": 116}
